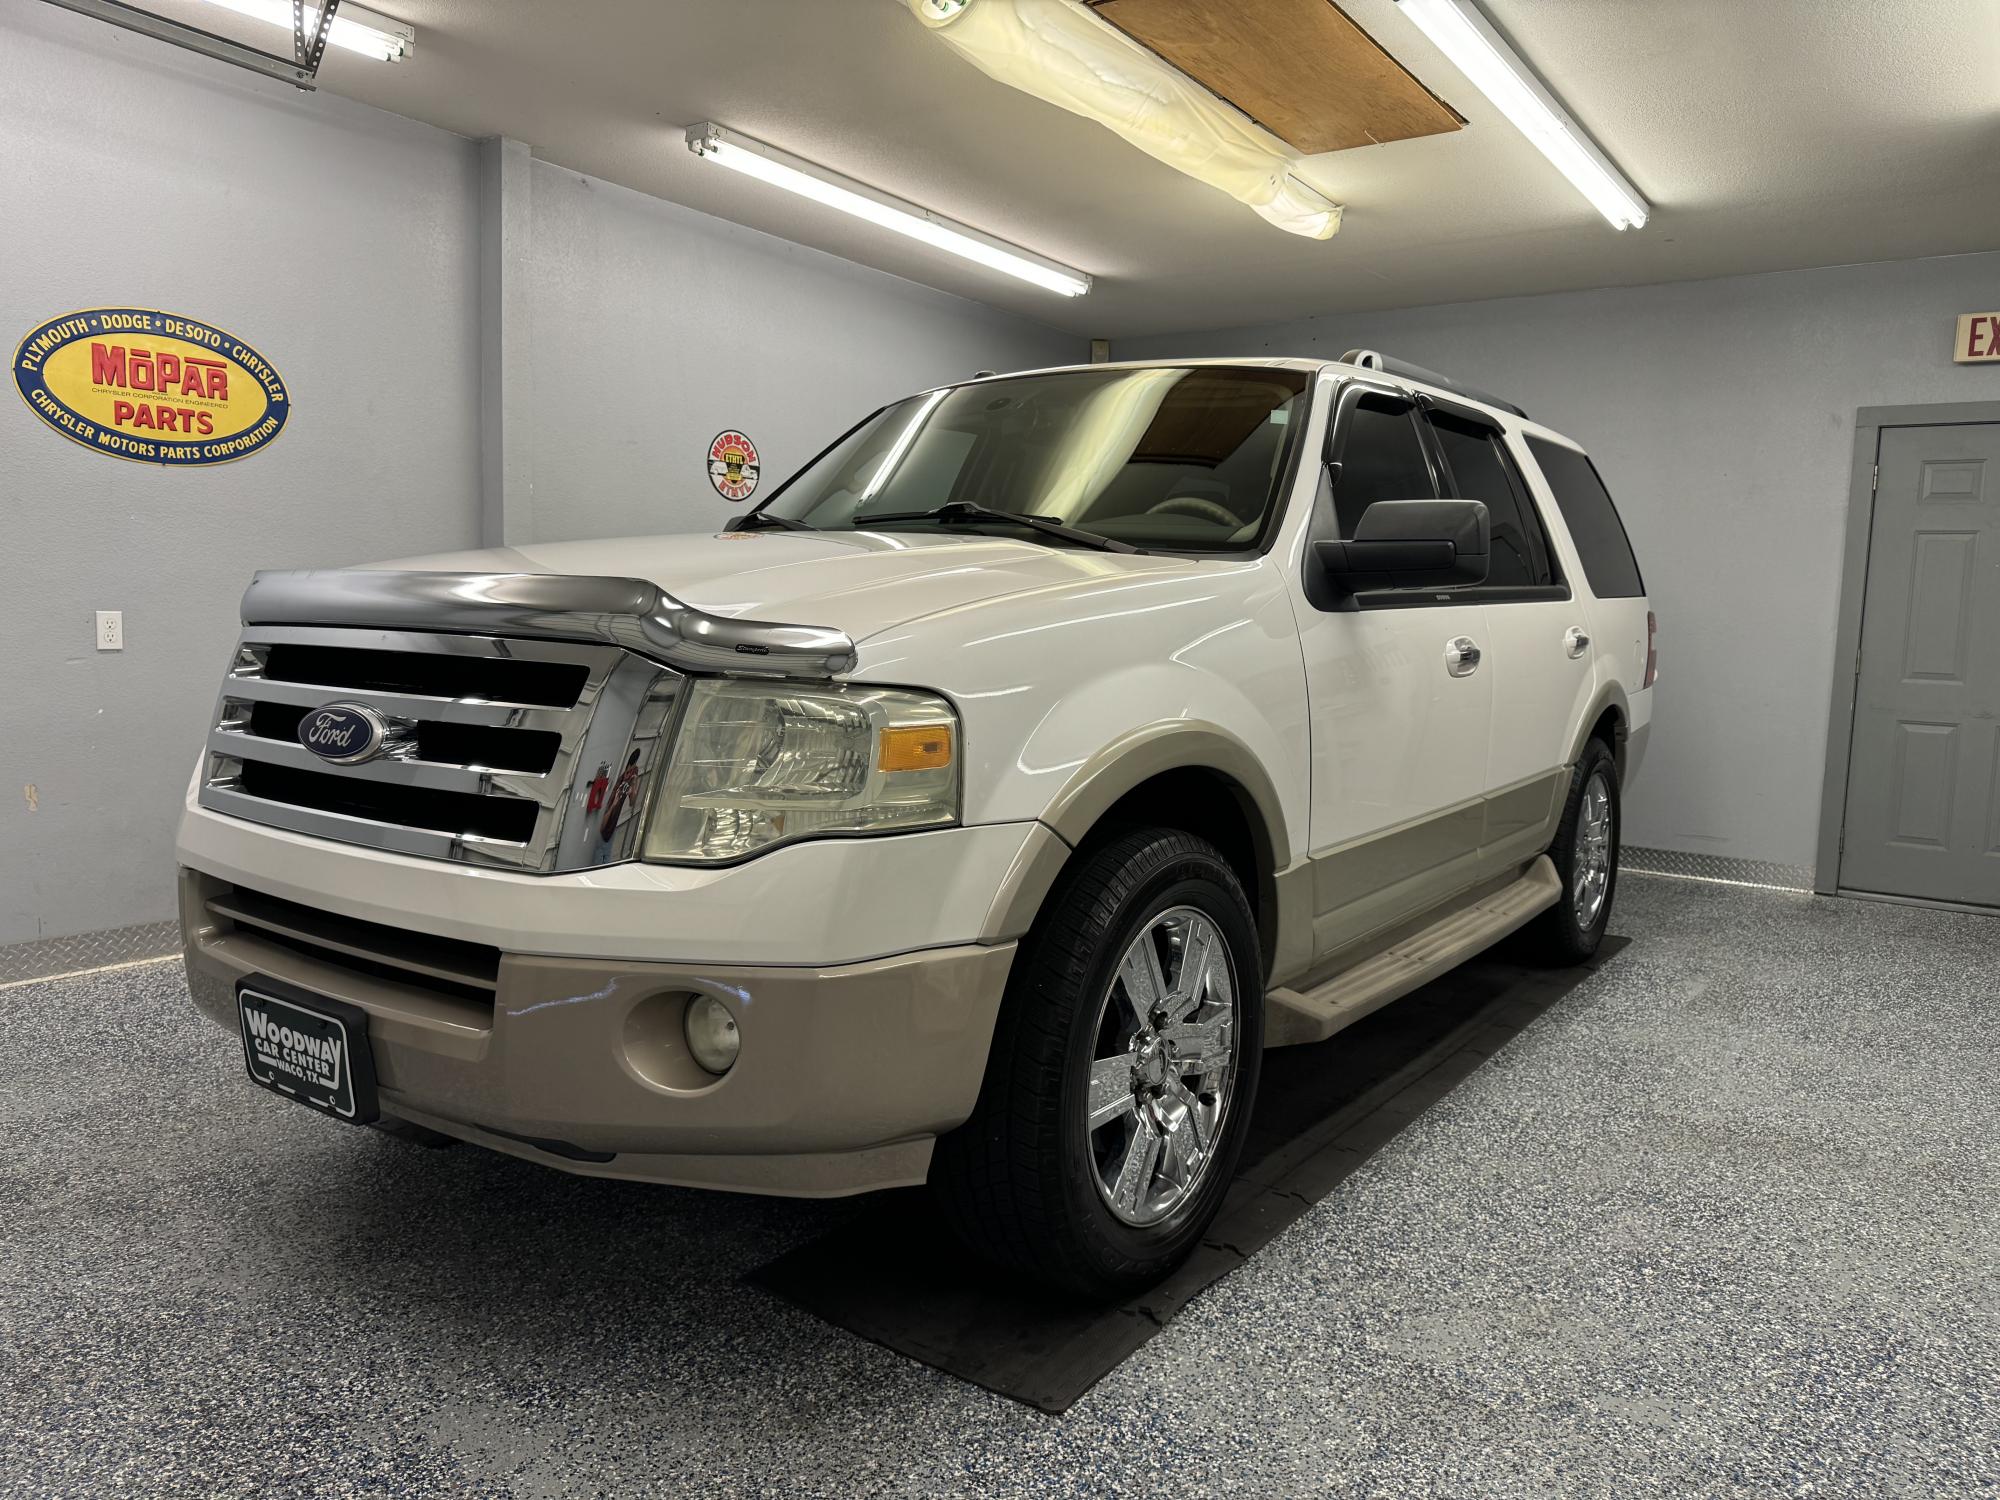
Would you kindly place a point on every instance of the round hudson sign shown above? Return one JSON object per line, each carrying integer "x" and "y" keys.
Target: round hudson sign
{"x": 150, "y": 386}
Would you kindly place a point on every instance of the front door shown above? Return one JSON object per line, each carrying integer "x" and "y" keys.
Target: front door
{"x": 1923, "y": 785}
{"x": 1399, "y": 720}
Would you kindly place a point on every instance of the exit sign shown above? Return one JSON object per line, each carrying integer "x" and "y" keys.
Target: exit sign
{"x": 1978, "y": 338}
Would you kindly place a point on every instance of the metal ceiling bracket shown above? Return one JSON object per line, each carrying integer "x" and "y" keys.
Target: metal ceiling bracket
{"x": 223, "y": 49}
{"x": 310, "y": 50}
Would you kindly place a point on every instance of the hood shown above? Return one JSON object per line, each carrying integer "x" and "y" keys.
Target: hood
{"x": 858, "y": 582}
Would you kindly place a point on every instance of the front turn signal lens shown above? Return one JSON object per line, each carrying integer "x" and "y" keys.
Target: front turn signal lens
{"x": 915, "y": 747}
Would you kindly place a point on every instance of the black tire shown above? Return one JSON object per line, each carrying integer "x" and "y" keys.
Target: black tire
{"x": 1019, "y": 1181}
{"x": 1559, "y": 936}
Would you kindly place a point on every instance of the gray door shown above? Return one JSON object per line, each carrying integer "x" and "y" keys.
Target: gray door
{"x": 1923, "y": 787}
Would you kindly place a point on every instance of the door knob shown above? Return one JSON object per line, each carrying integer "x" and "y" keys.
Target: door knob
{"x": 1461, "y": 656}
{"x": 1575, "y": 641}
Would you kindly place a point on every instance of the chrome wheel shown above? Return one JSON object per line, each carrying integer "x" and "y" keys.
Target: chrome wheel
{"x": 1591, "y": 858}
{"x": 1164, "y": 1066}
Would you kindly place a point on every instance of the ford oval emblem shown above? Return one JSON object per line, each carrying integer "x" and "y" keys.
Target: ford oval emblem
{"x": 343, "y": 733}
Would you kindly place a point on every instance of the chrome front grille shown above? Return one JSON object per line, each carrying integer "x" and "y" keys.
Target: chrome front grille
{"x": 524, "y": 754}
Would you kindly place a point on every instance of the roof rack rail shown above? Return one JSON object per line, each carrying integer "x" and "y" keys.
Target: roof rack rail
{"x": 1369, "y": 359}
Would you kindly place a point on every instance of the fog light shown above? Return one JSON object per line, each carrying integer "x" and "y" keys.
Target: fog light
{"x": 711, "y": 1033}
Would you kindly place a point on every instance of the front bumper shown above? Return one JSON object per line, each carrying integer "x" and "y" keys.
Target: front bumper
{"x": 848, "y": 1071}
{"x": 822, "y": 903}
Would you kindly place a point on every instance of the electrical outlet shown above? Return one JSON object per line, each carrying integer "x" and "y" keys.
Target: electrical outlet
{"x": 110, "y": 630}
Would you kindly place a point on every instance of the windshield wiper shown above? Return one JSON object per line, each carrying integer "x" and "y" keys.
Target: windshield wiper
{"x": 972, "y": 510}
{"x": 756, "y": 520}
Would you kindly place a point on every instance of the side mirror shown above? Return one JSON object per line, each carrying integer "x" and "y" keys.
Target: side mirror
{"x": 1406, "y": 544}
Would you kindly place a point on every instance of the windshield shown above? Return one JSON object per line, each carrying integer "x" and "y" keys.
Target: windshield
{"x": 1179, "y": 459}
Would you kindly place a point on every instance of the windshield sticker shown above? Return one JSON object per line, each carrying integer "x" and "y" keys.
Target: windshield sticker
{"x": 732, "y": 466}
{"x": 150, "y": 386}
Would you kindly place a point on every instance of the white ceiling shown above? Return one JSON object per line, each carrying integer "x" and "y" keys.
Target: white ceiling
{"x": 1768, "y": 134}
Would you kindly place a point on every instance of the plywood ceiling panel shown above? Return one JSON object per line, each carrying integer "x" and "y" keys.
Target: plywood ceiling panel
{"x": 1300, "y": 68}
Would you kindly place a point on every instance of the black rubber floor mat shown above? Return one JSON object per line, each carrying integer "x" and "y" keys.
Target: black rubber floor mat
{"x": 895, "y": 1276}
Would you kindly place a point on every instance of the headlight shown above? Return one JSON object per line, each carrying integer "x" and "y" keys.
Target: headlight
{"x": 762, "y": 763}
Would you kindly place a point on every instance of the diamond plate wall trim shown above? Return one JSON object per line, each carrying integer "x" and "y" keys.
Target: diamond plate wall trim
{"x": 21, "y": 962}
{"x": 1720, "y": 868}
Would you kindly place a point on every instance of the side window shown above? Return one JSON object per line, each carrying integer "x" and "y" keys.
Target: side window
{"x": 1592, "y": 520}
{"x": 1481, "y": 470}
{"x": 1381, "y": 457}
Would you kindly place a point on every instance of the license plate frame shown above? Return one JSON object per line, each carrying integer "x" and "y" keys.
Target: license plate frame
{"x": 308, "y": 1048}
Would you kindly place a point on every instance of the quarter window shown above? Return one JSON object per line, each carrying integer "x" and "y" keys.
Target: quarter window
{"x": 1481, "y": 469}
{"x": 1592, "y": 520}
{"x": 1381, "y": 458}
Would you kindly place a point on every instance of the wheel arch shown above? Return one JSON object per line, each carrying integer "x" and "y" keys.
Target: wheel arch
{"x": 1609, "y": 719}
{"x": 1187, "y": 775}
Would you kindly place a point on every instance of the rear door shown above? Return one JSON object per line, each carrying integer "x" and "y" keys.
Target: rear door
{"x": 1536, "y": 643}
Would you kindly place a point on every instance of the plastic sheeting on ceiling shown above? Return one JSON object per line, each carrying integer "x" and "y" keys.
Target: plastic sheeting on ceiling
{"x": 1059, "y": 52}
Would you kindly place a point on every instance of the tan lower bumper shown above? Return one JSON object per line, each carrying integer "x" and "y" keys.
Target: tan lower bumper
{"x": 846, "y": 1076}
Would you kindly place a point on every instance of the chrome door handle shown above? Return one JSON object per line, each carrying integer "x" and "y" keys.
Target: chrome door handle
{"x": 1461, "y": 656}
{"x": 1575, "y": 642}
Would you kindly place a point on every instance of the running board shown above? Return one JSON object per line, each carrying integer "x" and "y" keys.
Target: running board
{"x": 1295, "y": 1017}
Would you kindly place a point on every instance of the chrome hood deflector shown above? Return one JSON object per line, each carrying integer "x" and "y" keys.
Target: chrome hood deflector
{"x": 628, "y": 612}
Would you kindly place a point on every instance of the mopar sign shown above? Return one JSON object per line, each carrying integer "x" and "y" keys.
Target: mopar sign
{"x": 150, "y": 386}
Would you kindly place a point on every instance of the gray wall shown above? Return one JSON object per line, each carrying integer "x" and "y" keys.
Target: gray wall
{"x": 344, "y": 244}
{"x": 656, "y": 327}
{"x": 338, "y": 241}
{"x": 1722, "y": 415}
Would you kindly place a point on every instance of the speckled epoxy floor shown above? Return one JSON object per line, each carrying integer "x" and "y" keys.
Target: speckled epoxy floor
{"x": 1725, "y": 1221}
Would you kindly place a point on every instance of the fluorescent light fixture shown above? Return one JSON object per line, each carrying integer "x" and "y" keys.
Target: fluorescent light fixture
{"x": 781, "y": 169}
{"x": 380, "y": 37}
{"x": 1463, "y": 34}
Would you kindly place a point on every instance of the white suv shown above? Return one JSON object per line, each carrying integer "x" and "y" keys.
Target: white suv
{"x": 1142, "y": 717}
